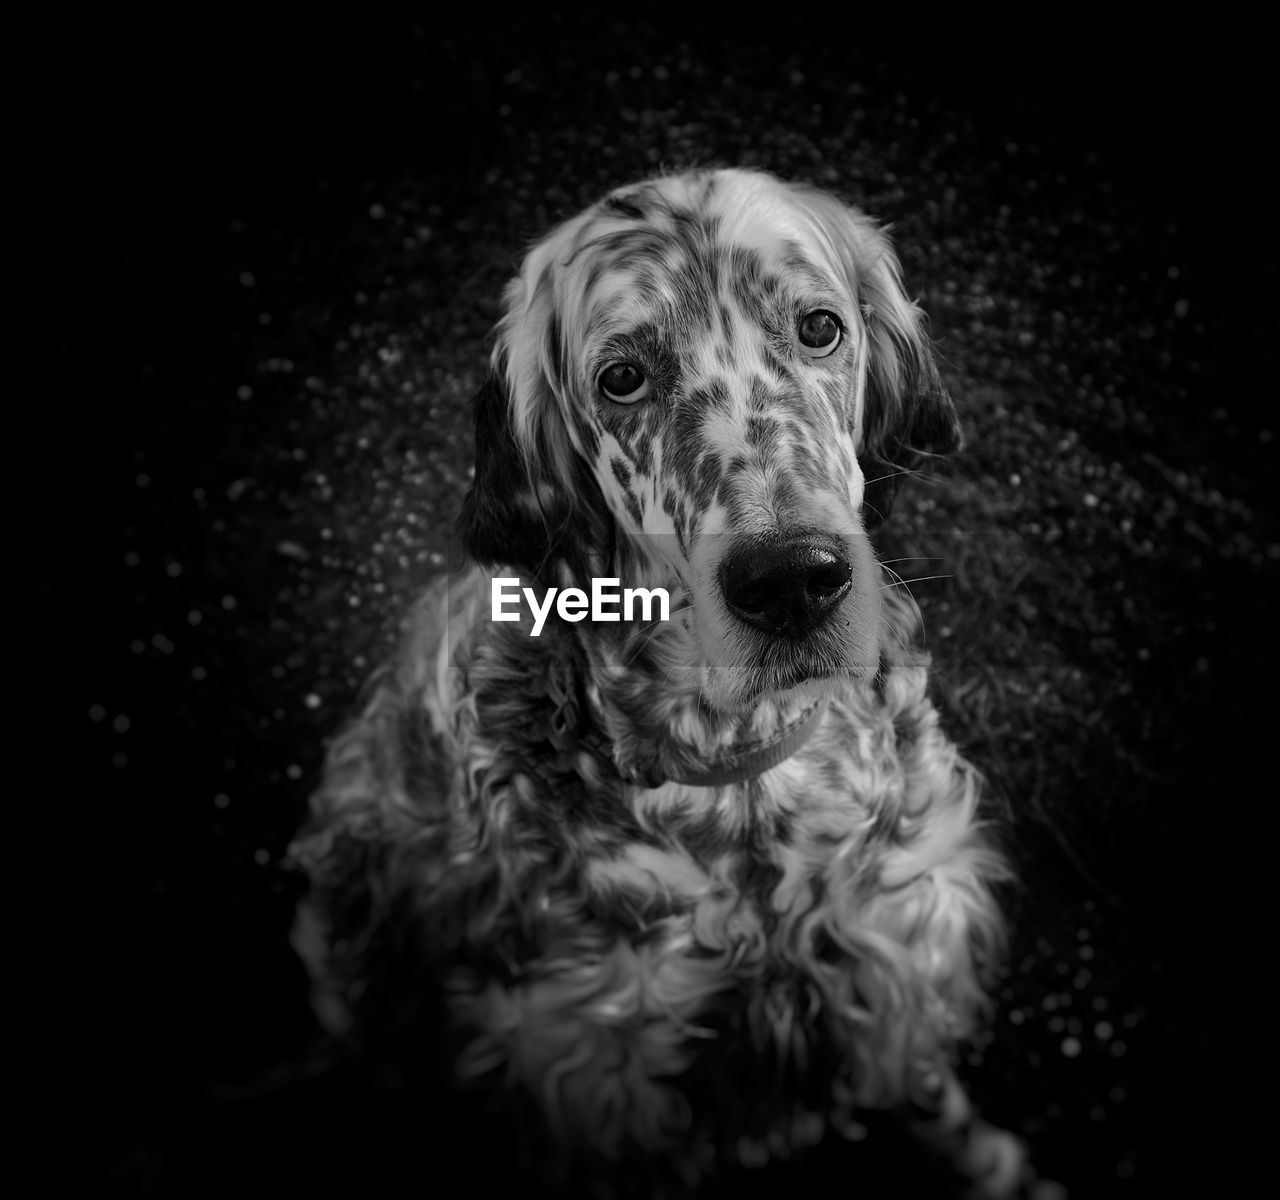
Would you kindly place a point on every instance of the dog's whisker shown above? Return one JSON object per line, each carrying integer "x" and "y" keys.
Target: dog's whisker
{"x": 900, "y": 582}
{"x": 890, "y": 475}
{"x": 675, "y": 612}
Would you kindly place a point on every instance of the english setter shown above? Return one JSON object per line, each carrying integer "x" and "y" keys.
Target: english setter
{"x": 674, "y": 897}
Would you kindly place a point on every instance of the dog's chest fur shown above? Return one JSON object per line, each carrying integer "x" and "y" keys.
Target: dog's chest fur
{"x": 641, "y": 961}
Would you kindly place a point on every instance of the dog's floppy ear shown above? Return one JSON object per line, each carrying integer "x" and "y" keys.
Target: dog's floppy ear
{"x": 532, "y": 500}
{"x": 501, "y": 520}
{"x": 908, "y": 414}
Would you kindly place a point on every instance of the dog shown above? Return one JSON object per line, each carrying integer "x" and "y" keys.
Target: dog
{"x": 675, "y": 894}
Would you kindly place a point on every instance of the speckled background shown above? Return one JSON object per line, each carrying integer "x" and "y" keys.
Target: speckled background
{"x": 274, "y": 255}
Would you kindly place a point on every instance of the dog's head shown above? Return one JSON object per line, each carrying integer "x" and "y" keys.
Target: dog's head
{"x": 719, "y": 373}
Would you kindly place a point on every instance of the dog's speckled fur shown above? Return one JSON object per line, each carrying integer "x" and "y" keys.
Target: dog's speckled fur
{"x": 673, "y": 978}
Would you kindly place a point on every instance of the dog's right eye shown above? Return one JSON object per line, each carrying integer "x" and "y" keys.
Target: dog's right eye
{"x": 624, "y": 383}
{"x": 819, "y": 333}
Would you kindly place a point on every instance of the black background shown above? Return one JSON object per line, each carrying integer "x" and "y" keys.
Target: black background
{"x": 164, "y": 152}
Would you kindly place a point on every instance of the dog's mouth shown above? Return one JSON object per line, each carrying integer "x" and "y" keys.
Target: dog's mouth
{"x": 797, "y": 675}
{"x": 795, "y": 610}
{"x": 799, "y": 681}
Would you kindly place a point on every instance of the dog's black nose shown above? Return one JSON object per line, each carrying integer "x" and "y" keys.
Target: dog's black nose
{"x": 787, "y": 587}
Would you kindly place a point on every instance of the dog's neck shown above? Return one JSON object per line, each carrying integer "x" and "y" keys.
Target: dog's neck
{"x": 611, "y": 699}
{"x": 624, "y": 694}
{"x": 751, "y": 759}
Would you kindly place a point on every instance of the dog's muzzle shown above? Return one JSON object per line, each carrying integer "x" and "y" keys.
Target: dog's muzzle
{"x": 787, "y": 587}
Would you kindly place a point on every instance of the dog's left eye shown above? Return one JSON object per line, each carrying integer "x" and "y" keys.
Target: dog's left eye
{"x": 819, "y": 333}
{"x": 624, "y": 383}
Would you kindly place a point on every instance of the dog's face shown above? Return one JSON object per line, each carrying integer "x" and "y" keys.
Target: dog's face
{"x": 717, "y": 377}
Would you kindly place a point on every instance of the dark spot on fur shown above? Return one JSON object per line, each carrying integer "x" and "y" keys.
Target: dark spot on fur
{"x": 706, "y": 838}
{"x": 708, "y": 480}
{"x": 757, "y": 875}
{"x": 773, "y": 364}
{"x": 588, "y": 435}
{"x": 726, "y": 321}
{"x": 761, "y": 433}
{"x": 556, "y": 352}
{"x": 785, "y": 497}
{"x": 624, "y": 206}
{"x": 633, "y": 509}
{"x": 632, "y": 426}
{"x": 621, "y": 472}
